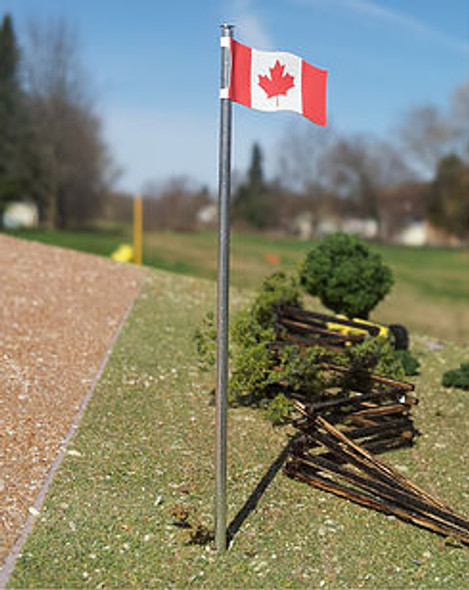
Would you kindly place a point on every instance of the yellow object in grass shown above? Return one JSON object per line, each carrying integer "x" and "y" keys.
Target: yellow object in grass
{"x": 124, "y": 253}
{"x": 358, "y": 327}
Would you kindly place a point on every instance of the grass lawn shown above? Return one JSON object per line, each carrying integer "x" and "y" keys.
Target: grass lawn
{"x": 93, "y": 242}
{"x": 431, "y": 294}
{"x": 145, "y": 448}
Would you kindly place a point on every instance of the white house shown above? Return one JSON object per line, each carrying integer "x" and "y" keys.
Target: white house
{"x": 20, "y": 214}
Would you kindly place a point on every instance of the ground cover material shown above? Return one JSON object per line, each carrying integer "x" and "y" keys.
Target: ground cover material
{"x": 59, "y": 313}
{"x": 145, "y": 454}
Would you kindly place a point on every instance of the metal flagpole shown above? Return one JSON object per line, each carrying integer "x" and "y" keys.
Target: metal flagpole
{"x": 224, "y": 182}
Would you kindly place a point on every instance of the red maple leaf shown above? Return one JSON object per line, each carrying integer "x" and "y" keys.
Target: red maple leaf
{"x": 278, "y": 83}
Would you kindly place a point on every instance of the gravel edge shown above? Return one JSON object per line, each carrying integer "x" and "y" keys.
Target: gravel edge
{"x": 10, "y": 561}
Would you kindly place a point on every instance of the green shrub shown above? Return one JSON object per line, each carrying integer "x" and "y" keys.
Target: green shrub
{"x": 260, "y": 371}
{"x": 408, "y": 361}
{"x": 265, "y": 373}
{"x": 252, "y": 364}
{"x": 457, "y": 377}
{"x": 373, "y": 355}
{"x": 278, "y": 410}
{"x": 277, "y": 290}
{"x": 254, "y": 373}
{"x": 205, "y": 338}
{"x": 345, "y": 275}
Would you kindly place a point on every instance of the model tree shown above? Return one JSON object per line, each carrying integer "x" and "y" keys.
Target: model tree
{"x": 346, "y": 276}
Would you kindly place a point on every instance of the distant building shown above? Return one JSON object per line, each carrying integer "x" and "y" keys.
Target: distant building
{"x": 403, "y": 212}
{"x": 207, "y": 215}
{"x": 403, "y": 217}
{"x": 415, "y": 234}
{"x": 20, "y": 215}
{"x": 365, "y": 228}
{"x": 302, "y": 225}
{"x": 327, "y": 224}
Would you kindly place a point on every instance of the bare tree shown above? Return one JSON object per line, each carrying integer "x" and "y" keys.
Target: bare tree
{"x": 429, "y": 134}
{"x": 459, "y": 115}
{"x": 52, "y": 66}
{"x": 301, "y": 159}
{"x": 302, "y": 165}
{"x": 425, "y": 134}
{"x": 359, "y": 165}
{"x": 174, "y": 204}
{"x": 351, "y": 167}
{"x": 460, "y": 103}
{"x": 71, "y": 159}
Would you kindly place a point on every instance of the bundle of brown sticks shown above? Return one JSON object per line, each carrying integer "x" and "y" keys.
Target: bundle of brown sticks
{"x": 330, "y": 459}
{"x": 339, "y": 437}
{"x": 378, "y": 417}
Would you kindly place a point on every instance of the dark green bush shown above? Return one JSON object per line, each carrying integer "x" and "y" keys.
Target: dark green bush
{"x": 252, "y": 361}
{"x": 457, "y": 377}
{"x": 380, "y": 357}
{"x": 345, "y": 275}
{"x": 266, "y": 373}
{"x": 204, "y": 339}
{"x": 408, "y": 361}
{"x": 260, "y": 371}
{"x": 277, "y": 290}
{"x": 278, "y": 410}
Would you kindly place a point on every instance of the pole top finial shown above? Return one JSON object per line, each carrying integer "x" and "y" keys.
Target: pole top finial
{"x": 226, "y": 27}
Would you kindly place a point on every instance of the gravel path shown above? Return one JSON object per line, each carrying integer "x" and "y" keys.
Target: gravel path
{"x": 59, "y": 312}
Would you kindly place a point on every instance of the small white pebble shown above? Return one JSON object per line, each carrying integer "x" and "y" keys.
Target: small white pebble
{"x": 74, "y": 453}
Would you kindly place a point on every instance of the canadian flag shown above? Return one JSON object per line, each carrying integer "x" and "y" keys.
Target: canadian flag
{"x": 276, "y": 81}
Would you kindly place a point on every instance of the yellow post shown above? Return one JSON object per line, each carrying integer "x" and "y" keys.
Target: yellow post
{"x": 138, "y": 230}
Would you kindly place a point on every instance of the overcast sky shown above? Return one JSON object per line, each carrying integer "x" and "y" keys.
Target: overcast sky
{"x": 155, "y": 69}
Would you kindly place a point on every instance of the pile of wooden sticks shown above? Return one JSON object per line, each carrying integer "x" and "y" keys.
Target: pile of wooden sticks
{"x": 378, "y": 418}
{"x": 331, "y": 460}
{"x": 375, "y": 411}
{"x": 339, "y": 437}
